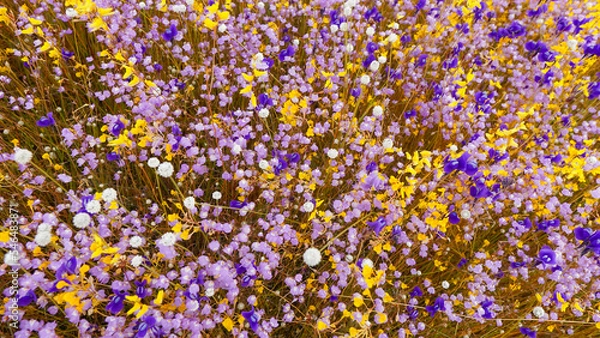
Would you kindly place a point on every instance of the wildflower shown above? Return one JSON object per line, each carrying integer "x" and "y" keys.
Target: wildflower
{"x": 28, "y": 298}
{"x": 22, "y": 156}
{"x": 170, "y": 33}
{"x": 43, "y": 238}
{"x": 538, "y": 312}
{"x": 528, "y": 332}
{"x": 189, "y": 202}
{"x": 312, "y": 257}
{"x": 377, "y": 111}
{"x": 378, "y": 225}
{"x": 332, "y": 153}
{"x": 116, "y": 303}
{"x": 137, "y": 260}
{"x": 252, "y": 317}
{"x": 109, "y": 195}
{"x": 438, "y": 305}
{"x": 263, "y": 113}
{"x": 308, "y": 206}
{"x": 82, "y": 220}
{"x": 136, "y": 241}
{"x": 416, "y": 292}
{"x": 46, "y": 121}
{"x": 217, "y": 195}
{"x": 165, "y": 169}
{"x": 147, "y": 324}
{"x": 168, "y": 239}
{"x": 547, "y": 256}
{"x": 93, "y": 207}
{"x": 153, "y": 162}
{"x": 453, "y": 218}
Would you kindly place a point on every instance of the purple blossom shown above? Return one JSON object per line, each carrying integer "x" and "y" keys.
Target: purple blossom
{"x": 46, "y": 121}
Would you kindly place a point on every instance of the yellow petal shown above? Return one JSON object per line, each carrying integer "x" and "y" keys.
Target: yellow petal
{"x": 227, "y": 324}
{"x": 35, "y": 22}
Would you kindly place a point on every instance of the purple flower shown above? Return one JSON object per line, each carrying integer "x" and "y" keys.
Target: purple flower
{"x": 371, "y": 166}
{"x": 515, "y": 30}
{"x": 66, "y": 54}
{"x": 170, "y": 33}
{"x": 583, "y": 234}
{"x": 293, "y": 157}
{"x": 117, "y": 128}
{"x": 438, "y": 305}
{"x": 462, "y": 262}
{"x": 27, "y": 298}
{"x": 410, "y": 113}
{"x": 547, "y": 255}
{"x": 116, "y": 303}
{"x": 528, "y": 332}
{"x": 288, "y": 52}
{"x": 112, "y": 156}
{"x": 594, "y": 90}
{"x": 372, "y": 47}
{"x": 412, "y": 312}
{"x": 487, "y": 314}
{"x": 416, "y": 292}
{"x": 46, "y": 121}
{"x": 378, "y": 225}
{"x": 141, "y": 290}
{"x": 252, "y": 317}
{"x": 374, "y": 14}
{"x": 237, "y": 204}
{"x": 147, "y": 324}
{"x": 453, "y": 218}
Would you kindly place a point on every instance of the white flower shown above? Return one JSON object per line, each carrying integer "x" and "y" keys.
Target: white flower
{"x": 465, "y": 214}
{"x": 209, "y": 292}
{"x": 392, "y": 37}
{"x": 136, "y": 241}
{"x": 332, "y": 153}
{"x": 222, "y": 28}
{"x": 109, "y": 195}
{"x": 179, "y": 8}
{"x": 189, "y": 2}
{"x": 22, "y": 156}
{"x": 349, "y": 258}
{"x": 217, "y": 195}
{"x": 572, "y": 43}
{"x": 263, "y": 113}
{"x": 453, "y": 148}
{"x": 367, "y": 262}
{"x": 137, "y": 261}
{"x": 165, "y": 169}
{"x": 538, "y": 311}
{"x": 308, "y": 206}
{"x": 153, "y": 162}
{"x": 168, "y": 239}
{"x": 82, "y": 220}
{"x": 312, "y": 256}
{"x": 263, "y": 164}
{"x": 382, "y": 59}
{"x": 377, "y": 111}
{"x": 11, "y": 257}
{"x": 43, "y": 238}
{"x": 189, "y": 202}
{"x": 349, "y": 48}
{"x": 388, "y": 143}
{"x": 374, "y": 66}
{"x": 93, "y": 206}
{"x": 370, "y": 31}
{"x": 236, "y": 149}
{"x": 365, "y": 79}
{"x": 71, "y": 13}
{"x": 44, "y": 227}
{"x": 344, "y": 26}
{"x": 334, "y": 28}
{"x": 445, "y": 284}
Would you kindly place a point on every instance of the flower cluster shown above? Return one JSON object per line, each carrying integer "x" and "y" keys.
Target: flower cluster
{"x": 187, "y": 168}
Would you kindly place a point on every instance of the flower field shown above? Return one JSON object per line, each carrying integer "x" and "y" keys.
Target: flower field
{"x": 296, "y": 168}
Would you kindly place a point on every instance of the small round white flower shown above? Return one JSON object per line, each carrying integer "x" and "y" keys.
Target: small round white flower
{"x": 344, "y": 27}
{"x": 189, "y": 202}
{"x": 388, "y": 143}
{"x": 222, "y": 28}
{"x": 260, "y": 5}
{"x": 445, "y": 284}
{"x": 572, "y": 44}
{"x": 71, "y": 13}
{"x": 153, "y": 162}
{"x": 591, "y": 160}
{"x": 312, "y": 257}
{"x": 209, "y": 292}
{"x": 142, "y": 5}
{"x": 11, "y": 257}
{"x": 93, "y": 207}
{"x": 179, "y": 8}
{"x": 263, "y": 164}
{"x": 392, "y": 37}
{"x": 365, "y": 79}
{"x": 334, "y": 28}
{"x": 332, "y": 153}
{"x": 453, "y": 148}
{"x": 236, "y": 149}
{"x": 43, "y": 238}
{"x": 136, "y": 241}
{"x": 109, "y": 195}
{"x": 217, "y": 195}
{"x": 165, "y": 169}
{"x": 168, "y": 239}
{"x": 370, "y": 31}
{"x": 22, "y": 156}
{"x": 44, "y": 227}
{"x": 349, "y": 48}
{"x": 137, "y": 261}
{"x": 538, "y": 311}
{"x": 308, "y": 206}
{"x": 377, "y": 111}
{"x": 374, "y": 66}
{"x": 263, "y": 113}
{"x": 349, "y": 258}
{"x": 465, "y": 214}
{"x": 367, "y": 262}
{"x": 82, "y": 220}
{"x": 382, "y": 59}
